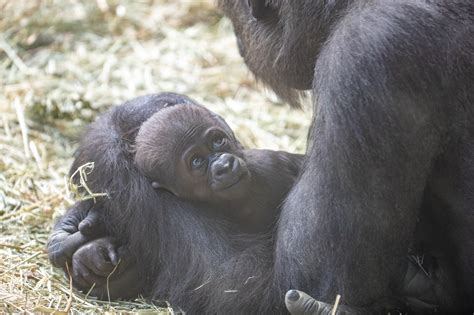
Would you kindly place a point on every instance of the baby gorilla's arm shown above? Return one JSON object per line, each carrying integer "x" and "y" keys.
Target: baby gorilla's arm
{"x": 78, "y": 226}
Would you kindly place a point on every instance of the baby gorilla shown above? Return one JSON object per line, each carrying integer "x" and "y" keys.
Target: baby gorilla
{"x": 192, "y": 153}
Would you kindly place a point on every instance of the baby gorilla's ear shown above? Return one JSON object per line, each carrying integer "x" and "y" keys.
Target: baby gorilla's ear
{"x": 157, "y": 185}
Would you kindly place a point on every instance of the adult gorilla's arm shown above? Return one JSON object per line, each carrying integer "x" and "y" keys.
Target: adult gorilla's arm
{"x": 99, "y": 265}
{"x": 108, "y": 143}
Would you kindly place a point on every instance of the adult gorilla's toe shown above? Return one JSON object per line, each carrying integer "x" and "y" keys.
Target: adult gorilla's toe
{"x": 300, "y": 303}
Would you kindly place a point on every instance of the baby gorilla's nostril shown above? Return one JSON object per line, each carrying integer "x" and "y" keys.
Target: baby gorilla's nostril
{"x": 230, "y": 162}
{"x": 222, "y": 169}
{"x": 225, "y": 166}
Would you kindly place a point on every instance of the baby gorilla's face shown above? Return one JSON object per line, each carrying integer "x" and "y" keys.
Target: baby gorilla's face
{"x": 193, "y": 153}
{"x": 211, "y": 167}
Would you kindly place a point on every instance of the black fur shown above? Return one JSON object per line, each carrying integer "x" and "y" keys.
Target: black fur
{"x": 393, "y": 122}
{"x": 392, "y": 130}
{"x": 141, "y": 229}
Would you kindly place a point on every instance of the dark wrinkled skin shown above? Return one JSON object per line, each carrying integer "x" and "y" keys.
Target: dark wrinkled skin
{"x": 392, "y": 130}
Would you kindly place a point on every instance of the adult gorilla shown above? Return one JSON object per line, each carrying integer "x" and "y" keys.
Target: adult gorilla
{"x": 393, "y": 125}
{"x": 392, "y": 130}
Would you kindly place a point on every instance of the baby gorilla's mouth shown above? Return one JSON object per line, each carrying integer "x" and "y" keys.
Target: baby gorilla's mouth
{"x": 227, "y": 183}
{"x": 229, "y": 189}
{"x": 232, "y": 184}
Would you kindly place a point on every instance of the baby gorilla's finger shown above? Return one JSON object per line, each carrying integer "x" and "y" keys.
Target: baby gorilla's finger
{"x": 300, "y": 303}
{"x": 92, "y": 225}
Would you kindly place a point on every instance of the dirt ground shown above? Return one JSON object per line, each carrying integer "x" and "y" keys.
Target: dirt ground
{"x": 62, "y": 62}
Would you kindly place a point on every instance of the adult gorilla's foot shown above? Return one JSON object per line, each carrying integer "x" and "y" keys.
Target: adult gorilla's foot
{"x": 300, "y": 303}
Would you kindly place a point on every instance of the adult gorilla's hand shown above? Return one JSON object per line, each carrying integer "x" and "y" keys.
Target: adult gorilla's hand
{"x": 81, "y": 224}
{"x": 106, "y": 270}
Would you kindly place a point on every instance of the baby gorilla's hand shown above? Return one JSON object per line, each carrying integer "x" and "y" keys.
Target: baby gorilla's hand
{"x": 106, "y": 268}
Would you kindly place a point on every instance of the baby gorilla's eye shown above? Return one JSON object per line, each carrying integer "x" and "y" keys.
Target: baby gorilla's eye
{"x": 197, "y": 161}
{"x": 218, "y": 142}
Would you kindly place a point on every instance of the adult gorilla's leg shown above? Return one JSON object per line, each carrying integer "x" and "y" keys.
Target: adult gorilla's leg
{"x": 424, "y": 290}
{"x": 346, "y": 226}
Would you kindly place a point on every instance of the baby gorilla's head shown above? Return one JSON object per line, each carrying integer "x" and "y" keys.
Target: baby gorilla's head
{"x": 193, "y": 153}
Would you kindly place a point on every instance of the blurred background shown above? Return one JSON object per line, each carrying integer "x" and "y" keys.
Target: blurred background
{"x": 62, "y": 62}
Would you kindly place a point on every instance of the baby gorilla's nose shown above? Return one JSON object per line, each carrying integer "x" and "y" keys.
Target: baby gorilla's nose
{"x": 225, "y": 171}
{"x": 224, "y": 165}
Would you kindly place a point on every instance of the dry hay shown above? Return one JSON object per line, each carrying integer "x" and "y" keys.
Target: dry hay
{"x": 63, "y": 62}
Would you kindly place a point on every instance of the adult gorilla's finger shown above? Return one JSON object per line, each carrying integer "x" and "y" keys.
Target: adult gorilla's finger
{"x": 100, "y": 266}
{"x": 62, "y": 245}
{"x": 102, "y": 256}
{"x": 300, "y": 303}
{"x": 125, "y": 285}
{"x": 98, "y": 256}
{"x": 112, "y": 253}
{"x": 103, "y": 260}
{"x": 127, "y": 259}
{"x": 92, "y": 225}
